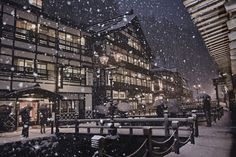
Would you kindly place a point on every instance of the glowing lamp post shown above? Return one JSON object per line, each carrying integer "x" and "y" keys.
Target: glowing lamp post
{"x": 104, "y": 61}
{"x": 197, "y": 88}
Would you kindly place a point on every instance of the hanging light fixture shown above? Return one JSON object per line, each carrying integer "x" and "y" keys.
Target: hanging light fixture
{"x": 103, "y": 59}
{"x": 117, "y": 57}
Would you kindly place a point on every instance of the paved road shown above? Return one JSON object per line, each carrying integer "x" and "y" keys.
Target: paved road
{"x": 215, "y": 141}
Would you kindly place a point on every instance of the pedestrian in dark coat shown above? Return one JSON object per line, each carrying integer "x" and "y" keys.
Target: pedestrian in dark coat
{"x": 43, "y": 122}
{"x": 207, "y": 109}
{"x": 25, "y": 116}
{"x": 160, "y": 110}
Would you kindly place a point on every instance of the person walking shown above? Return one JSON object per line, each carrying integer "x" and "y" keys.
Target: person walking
{"x": 25, "y": 116}
{"x": 160, "y": 110}
{"x": 207, "y": 109}
{"x": 43, "y": 122}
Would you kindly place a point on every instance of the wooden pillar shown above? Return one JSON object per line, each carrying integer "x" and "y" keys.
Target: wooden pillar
{"x": 175, "y": 126}
{"x": 195, "y": 116}
{"x": 16, "y": 113}
{"x": 166, "y": 123}
{"x": 148, "y": 134}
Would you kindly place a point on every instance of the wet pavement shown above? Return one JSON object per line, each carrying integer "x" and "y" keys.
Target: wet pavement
{"x": 215, "y": 141}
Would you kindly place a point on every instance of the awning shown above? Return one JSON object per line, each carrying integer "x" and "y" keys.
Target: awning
{"x": 33, "y": 92}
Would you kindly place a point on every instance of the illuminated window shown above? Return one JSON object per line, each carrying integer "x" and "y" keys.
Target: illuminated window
{"x": 122, "y": 95}
{"x": 24, "y": 65}
{"x": 62, "y": 36}
{"x": 37, "y": 3}
{"x": 115, "y": 95}
{"x": 139, "y": 82}
{"x": 135, "y": 62}
{"x": 25, "y": 25}
{"x": 131, "y": 60}
{"x": 47, "y": 31}
{"x": 82, "y": 41}
{"x": 75, "y": 74}
{"x": 69, "y": 38}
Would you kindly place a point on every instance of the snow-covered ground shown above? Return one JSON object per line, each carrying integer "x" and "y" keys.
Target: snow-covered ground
{"x": 16, "y": 135}
{"x": 215, "y": 141}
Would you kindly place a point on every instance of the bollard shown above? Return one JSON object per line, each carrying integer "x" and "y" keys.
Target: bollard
{"x": 191, "y": 121}
{"x": 57, "y": 123}
{"x": 76, "y": 123}
{"x": 101, "y": 129}
{"x": 222, "y": 111}
{"x": 214, "y": 115}
{"x": 148, "y": 133}
{"x": 218, "y": 113}
{"x": 76, "y": 127}
{"x": 175, "y": 126}
{"x": 208, "y": 115}
{"x": 88, "y": 130}
{"x": 52, "y": 126}
{"x": 166, "y": 123}
{"x": 195, "y": 116}
{"x": 131, "y": 131}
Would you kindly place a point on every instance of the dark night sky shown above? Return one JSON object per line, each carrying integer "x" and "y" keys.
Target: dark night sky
{"x": 180, "y": 44}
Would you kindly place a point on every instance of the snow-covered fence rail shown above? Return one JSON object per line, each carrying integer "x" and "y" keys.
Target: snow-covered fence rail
{"x": 130, "y": 126}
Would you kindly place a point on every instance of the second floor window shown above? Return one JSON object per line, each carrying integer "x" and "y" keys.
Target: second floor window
{"x": 47, "y": 31}
{"x": 36, "y": 3}
{"x": 75, "y": 74}
{"x": 26, "y": 25}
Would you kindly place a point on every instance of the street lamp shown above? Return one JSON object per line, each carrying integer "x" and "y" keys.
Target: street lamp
{"x": 104, "y": 61}
{"x": 197, "y": 88}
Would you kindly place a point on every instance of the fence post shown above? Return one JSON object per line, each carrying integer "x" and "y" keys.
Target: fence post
{"x": 175, "y": 126}
{"x": 147, "y": 131}
{"x": 52, "y": 125}
{"x": 191, "y": 121}
{"x": 222, "y": 111}
{"x": 101, "y": 129}
{"x": 214, "y": 115}
{"x": 131, "y": 131}
{"x": 208, "y": 118}
{"x": 218, "y": 113}
{"x": 195, "y": 116}
{"x": 166, "y": 123}
{"x": 76, "y": 123}
{"x": 57, "y": 123}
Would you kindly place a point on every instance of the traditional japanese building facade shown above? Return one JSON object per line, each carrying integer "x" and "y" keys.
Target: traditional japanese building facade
{"x": 123, "y": 37}
{"x": 169, "y": 84}
{"x": 50, "y": 52}
{"x": 43, "y": 58}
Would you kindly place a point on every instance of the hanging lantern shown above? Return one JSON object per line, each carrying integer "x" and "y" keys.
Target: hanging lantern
{"x": 117, "y": 57}
{"x": 103, "y": 59}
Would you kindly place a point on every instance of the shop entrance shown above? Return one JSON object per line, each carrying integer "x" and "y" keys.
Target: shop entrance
{"x": 34, "y": 97}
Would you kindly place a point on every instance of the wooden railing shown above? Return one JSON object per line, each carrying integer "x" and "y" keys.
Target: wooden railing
{"x": 171, "y": 127}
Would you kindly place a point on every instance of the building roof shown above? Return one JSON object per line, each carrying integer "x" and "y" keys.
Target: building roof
{"x": 212, "y": 21}
{"x": 160, "y": 69}
{"x": 107, "y": 26}
{"x": 33, "y": 91}
{"x": 119, "y": 23}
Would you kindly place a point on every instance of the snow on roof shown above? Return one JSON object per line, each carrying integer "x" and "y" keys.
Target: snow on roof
{"x": 164, "y": 69}
{"x": 112, "y": 24}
